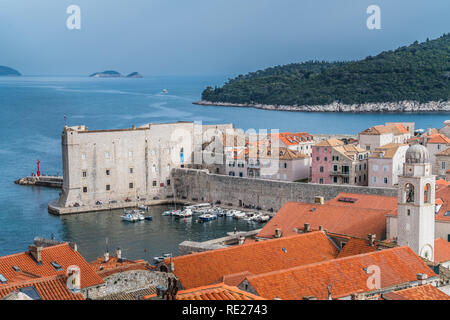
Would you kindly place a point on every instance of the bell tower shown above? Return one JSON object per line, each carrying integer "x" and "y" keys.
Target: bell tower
{"x": 416, "y": 203}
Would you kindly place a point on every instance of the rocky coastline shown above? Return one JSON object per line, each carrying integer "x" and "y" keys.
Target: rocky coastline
{"x": 401, "y": 106}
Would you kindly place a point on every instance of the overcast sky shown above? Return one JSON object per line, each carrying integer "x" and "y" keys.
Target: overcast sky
{"x": 205, "y": 37}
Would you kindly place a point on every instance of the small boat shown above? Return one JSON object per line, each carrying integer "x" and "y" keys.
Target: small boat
{"x": 158, "y": 259}
{"x": 167, "y": 255}
{"x": 129, "y": 217}
{"x": 150, "y": 218}
{"x": 186, "y": 213}
{"x": 142, "y": 207}
{"x": 207, "y": 217}
{"x": 239, "y": 215}
{"x": 264, "y": 218}
{"x": 165, "y": 91}
{"x": 230, "y": 213}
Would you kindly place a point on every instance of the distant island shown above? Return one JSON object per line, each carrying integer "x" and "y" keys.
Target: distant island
{"x": 7, "y": 71}
{"x": 410, "y": 78}
{"x": 114, "y": 74}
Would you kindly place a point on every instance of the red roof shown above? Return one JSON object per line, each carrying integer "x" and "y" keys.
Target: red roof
{"x": 115, "y": 265}
{"x": 367, "y": 201}
{"x": 357, "y": 222}
{"x": 49, "y": 288}
{"x": 441, "y": 250}
{"x": 425, "y": 292}
{"x": 216, "y": 292}
{"x": 438, "y": 138}
{"x": 354, "y": 247}
{"x": 62, "y": 254}
{"x": 345, "y": 276}
{"x": 205, "y": 268}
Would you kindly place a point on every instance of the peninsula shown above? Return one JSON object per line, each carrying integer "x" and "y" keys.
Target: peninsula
{"x": 7, "y": 71}
{"x": 414, "y": 78}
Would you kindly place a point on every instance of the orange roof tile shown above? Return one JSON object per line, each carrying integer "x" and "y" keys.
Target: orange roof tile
{"x": 366, "y": 201}
{"x": 396, "y": 129}
{"x": 63, "y": 254}
{"x": 205, "y": 268}
{"x": 354, "y": 247}
{"x": 425, "y": 292}
{"x": 329, "y": 143}
{"x": 49, "y": 288}
{"x": 216, "y": 292}
{"x": 345, "y": 276}
{"x": 441, "y": 250}
{"x": 438, "y": 138}
{"x": 357, "y": 222}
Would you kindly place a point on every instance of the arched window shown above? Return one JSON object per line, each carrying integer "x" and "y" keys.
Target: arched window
{"x": 409, "y": 192}
{"x": 427, "y": 193}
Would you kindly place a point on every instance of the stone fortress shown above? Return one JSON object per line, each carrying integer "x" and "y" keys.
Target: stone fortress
{"x": 105, "y": 169}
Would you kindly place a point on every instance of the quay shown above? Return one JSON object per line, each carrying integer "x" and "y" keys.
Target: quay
{"x": 43, "y": 181}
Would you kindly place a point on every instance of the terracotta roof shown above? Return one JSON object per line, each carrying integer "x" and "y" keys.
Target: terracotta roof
{"x": 205, "y": 268}
{"x": 425, "y": 292}
{"x": 438, "y": 138}
{"x": 49, "y": 288}
{"x": 216, "y": 292}
{"x": 290, "y": 139}
{"x": 367, "y": 201}
{"x": 349, "y": 150}
{"x": 354, "y": 247}
{"x": 441, "y": 250}
{"x": 446, "y": 152}
{"x": 236, "y": 278}
{"x": 63, "y": 254}
{"x": 115, "y": 265}
{"x": 345, "y": 276}
{"x": 329, "y": 143}
{"x": 357, "y": 222}
{"x": 283, "y": 154}
{"x": 396, "y": 129}
{"x": 387, "y": 151}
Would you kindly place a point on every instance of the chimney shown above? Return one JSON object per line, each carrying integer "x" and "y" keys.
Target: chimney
{"x": 36, "y": 253}
{"x": 106, "y": 255}
{"x": 118, "y": 253}
{"x": 422, "y": 277}
{"x": 241, "y": 240}
{"x": 306, "y": 228}
{"x": 278, "y": 233}
{"x": 371, "y": 238}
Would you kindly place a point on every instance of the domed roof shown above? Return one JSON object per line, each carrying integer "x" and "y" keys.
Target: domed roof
{"x": 417, "y": 154}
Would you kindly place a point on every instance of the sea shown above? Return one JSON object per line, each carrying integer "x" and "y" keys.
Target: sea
{"x": 34, "y": 110}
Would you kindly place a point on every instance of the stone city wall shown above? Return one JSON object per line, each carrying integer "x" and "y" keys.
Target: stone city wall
{"x": 201, "y": 186}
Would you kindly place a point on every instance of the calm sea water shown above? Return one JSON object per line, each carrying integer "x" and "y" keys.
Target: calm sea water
{"x": 32, "y": 113}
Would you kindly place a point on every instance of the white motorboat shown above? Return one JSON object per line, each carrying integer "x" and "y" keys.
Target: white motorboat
{"x": 230, "y": 213}
{"x": 239, "y": 215}
{"x": 129, "y": 217}
{"x": 207, "y": 217}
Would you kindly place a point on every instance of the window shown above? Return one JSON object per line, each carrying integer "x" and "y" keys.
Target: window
{"x": 375, "y": 167}
{"x": 83, "y": 156}
{"x": 321, "y": 180}
{"x": 321, "y": 169}
{"x": 345, "y": 169}
{"x": 285, "y": 165}
{"x": 240, "y": 174}
{"x": 385, "y": 180}
{"x": 130, "y": 155}
{"x": 56, "y": 265}
{"x": 439, "y": 146}
{"x": 107, "y": 155}
{"x": 337, "y": 158}
{"x": 409, "y": 192}
{"x": 84, "y": 189}
{"x": 84, "y": 174}
{"x": 284, "y": 176}
{"x": 385, "y": 168}
{"x": 318, "y": 158}
{"x": 325, "y": 159}
{"x": 374, "y": 179}
{"x": 408, "y": 212}
{"x": 367, "y": 147}
{"x": 443, "y": 165}
{"x": 108, "y": 187}
{"x": 154, "y": 183}
{"x": 345, "y": 180}
{"x": 335, "y": 168}
{"x": 153, "y": 168}
{"x": 107, "y": 172}
{"x": 131, "y": 170}
{"x": 335, "y": 179}
{"x": 325, "y": 149}
{"x": 168, "y": 182}
{"x": 365, "y": 166}
{"x": 3, "y": 280}
{"x": 130, "y": 185}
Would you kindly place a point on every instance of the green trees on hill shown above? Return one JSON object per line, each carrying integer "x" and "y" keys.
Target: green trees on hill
{"x": 418, "y": 72}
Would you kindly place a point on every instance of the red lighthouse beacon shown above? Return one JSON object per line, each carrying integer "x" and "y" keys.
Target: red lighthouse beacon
{"x": 38, "y": 172}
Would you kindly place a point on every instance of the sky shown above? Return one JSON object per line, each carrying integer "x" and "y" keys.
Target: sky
{"x": 205, "y": 37}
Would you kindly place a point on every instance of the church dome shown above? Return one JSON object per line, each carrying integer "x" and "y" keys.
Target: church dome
{"x": 417, "y": 154}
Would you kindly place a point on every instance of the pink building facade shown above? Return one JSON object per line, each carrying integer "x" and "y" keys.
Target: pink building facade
{"x": 322, "y": 161}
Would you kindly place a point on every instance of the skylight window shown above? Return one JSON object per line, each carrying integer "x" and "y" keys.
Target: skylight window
{"x": 3, "y": 280}
{"x": 447, "y": 214}
{"x": 16, "y": 268}
{"x": 56, "y": 266}
{"x": 31, "y": 292}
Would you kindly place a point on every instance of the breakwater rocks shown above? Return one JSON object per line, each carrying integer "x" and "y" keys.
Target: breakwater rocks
{"x": 44, "y": 181}
{"x": 401, "y": 106}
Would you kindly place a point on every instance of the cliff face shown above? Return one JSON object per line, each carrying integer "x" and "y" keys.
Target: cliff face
{"x": 402, "y": 106}
{"x": 7, "y": 71}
